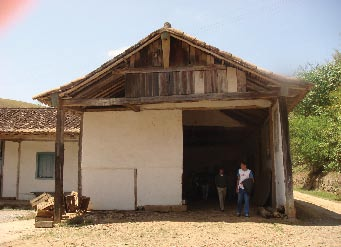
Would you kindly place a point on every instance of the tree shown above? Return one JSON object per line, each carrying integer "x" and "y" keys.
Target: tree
{"x": 315, "y": 124}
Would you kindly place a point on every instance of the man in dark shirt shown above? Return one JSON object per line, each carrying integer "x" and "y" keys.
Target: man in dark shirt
{"x": 221, "y": 183}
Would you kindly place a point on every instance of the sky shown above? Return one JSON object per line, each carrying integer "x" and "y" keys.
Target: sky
{"x": 45, "y": 44}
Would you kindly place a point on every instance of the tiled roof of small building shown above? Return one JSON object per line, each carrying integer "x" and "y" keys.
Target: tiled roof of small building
{"x": 35, "y": 121}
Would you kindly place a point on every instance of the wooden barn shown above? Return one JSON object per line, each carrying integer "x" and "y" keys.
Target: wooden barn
{"x": 170, "y": 106}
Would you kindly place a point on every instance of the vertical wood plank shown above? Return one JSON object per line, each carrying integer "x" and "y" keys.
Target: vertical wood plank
{"x": 165, "y": 37}
{"x": 132, "y": 61}
{"x": 199, "y": 83}
{"x": 231, "y": 79}
{"x": 208, "y": 81}
{"x": 156, "y": 53}
{"x": 137, "y": 62}
{"x": 203, "y": 58}
{"x": 172, "y": 81}
{"x": 191, "y": 82}
{"x": 163, "y": 84}
{"x": 221, "y": 81}
{"x": 192, "y": 55}
{"x": 283, "y": 110}
{"x": 156, "y": 84}
{"x": 185, "y": 51}
{"x": 209, "y": 60}
{"x": 241, "y": 81}
{"x": 183, "y": 85}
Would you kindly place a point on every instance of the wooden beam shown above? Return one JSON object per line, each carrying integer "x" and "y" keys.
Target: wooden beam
{"x": 172, "y": 69}
{"x": 39, "y": 137}
{"x": 290, "y": 207}
{"x": 135, "y": 188}
{"x": 133, "y": 107}
{"x": 272, "y": 157}
{"x": 59, "y": 164}
{"x": 2, "y": 151}
{"x": 172, "y": 99}
{"x": 80, "y": 149}
{"x": 165, "y": 37}
{"x": 18, "y": 170}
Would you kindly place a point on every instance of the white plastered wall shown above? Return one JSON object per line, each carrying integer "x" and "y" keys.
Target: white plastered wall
{"x": 117, "y": 142}
{"x": 10, "y": 169}
{"x": 278, "y": 158}
{"x": 28, "y": 182}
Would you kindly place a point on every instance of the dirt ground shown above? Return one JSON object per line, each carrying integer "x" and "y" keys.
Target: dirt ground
{"x": 193, "y": 228}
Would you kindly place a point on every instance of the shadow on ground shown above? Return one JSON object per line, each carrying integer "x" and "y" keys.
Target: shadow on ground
{"x": 306, "y": 215}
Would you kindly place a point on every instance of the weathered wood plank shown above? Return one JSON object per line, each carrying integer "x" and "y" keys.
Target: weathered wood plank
{"x": 209, "y": 59}
{"x": 165, "y": 37}
{"x": 231, "y": 76}
{"x": 155, "y": 84}
{"x": 221, "y": 81}
{"x": 241, "y": 81}
{"x": 199, "y": 82}
{"x": 164, "y": 81}
{"x": 162, "y": 70}
{"x": 156, "y": 53}
{"x": 132, "y": 61}
{"x": 192, "y": 55}
{"x": 163, "y": 84}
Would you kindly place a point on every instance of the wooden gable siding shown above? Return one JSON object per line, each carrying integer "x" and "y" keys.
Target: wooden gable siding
{"x": 181, "y": 54}
{"x": 184, "y": 82}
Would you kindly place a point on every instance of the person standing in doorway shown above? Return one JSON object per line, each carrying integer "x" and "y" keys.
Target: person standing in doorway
{"x": 221, "y": 183}
{"x": 242, "y": 175}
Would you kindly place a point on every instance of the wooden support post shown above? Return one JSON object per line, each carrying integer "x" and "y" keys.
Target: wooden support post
{"x": 2, "y": 161}
{"x": 272, "y": 157}
{"x": 59, "y": 164}
{"x": 18, "y": 171}
{"x": 80, "y": 157}
{"x": 289, "y": 207}
{"x": 135, "y": 187}
{"x": 165, "y": 37}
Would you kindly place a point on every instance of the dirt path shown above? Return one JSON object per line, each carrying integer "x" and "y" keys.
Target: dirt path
{"x": 192, "y": 228}
{"x": 15, "y": 223}
{"x": 14, "y": 230}
{"x": 318, "y": 206}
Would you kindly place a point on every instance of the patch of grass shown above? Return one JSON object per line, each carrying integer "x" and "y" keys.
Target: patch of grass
{"x": 321, "y": 194}
{"x": 29, "y": 216}
{"x": 79, "y": 220}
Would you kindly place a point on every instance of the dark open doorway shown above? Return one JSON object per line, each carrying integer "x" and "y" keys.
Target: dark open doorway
{"x": 216, "y": 139}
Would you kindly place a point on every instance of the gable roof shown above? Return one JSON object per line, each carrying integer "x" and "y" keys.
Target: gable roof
{"x": 229, "y": 59}
{"x": 35, "y": 121}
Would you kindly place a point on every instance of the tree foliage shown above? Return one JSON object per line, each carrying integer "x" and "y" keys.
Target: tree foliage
{"x": 315, "y": 124}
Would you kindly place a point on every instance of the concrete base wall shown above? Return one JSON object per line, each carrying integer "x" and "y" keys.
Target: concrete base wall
{"x": 28, "y": 163}
{"x": 116, "y": 143}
